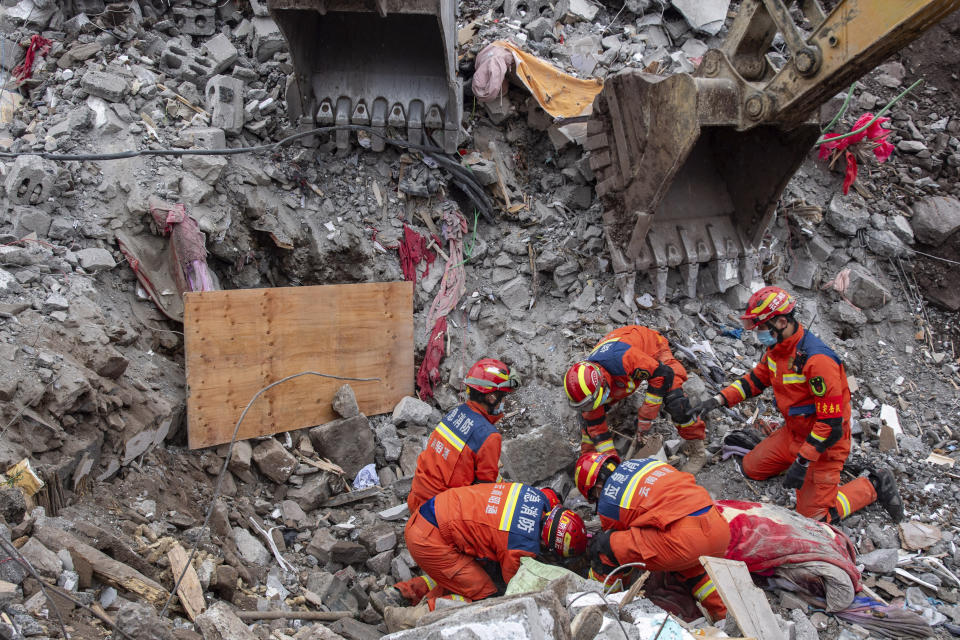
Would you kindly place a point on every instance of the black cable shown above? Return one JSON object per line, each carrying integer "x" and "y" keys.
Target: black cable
{"x": 463, "y": 178}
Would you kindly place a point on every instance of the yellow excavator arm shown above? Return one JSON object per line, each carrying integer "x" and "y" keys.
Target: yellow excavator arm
{"x": 690, "y": 167}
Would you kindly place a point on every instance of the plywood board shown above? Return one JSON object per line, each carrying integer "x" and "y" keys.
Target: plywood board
{"x": 239, "y": 341}
{"x": 745, "y": 601}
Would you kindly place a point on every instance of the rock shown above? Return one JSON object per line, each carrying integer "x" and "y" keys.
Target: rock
{"x": 207, "y": 168}
{"x": 803, "y": 628}
{"x": 220, "y": 51}
{"x": 108, "y": 86}
{"x": 879, "y": 561}
{"x": 538, "y": 30}
{"x": 803, "y": 271}
{"x": 352, "y": 629}
{"x": 251, "y": 549}
{"x": 885, "y": 243}
{"x": 224, "y": 101}
{"x": 274, "y": 461}
{"x": 917, "y": 535}
{"x": 46, "y": 562}
{"x": 413, "y": 411}
{"x": 847, "y": 214}
{"x": 380, "y": 563}
{"x": 333, "y": 590}
{"x": 934, "y": 219}
{"x": 901, "y": 228}
{"x": 865, "y": 291}
{"x": 515, "y": 294}
{"x": 586, "y": 299}
{"x": 326, "y": 549}
{"x": 910, "y": 146}
{"x": 293, "y": 515}
{"x": 378, "y": 539}
{"x": 240, "y": 461}
{"x": 347, "y": 442}
{"x": 55, "y": 302}
{"x": 537, "y": 454}
{"x": 96, "y": 259}
{"x": 345, "y": 402}
{"x": 224, "y": 582}
{"x": 267, "y": 39}
{"x": 845, "y": 312}
{"x": 12, "y": 503}
{"x": 704, "y": 15}
{"x": 139, "y": 620}
{"x": 314, "y": 492}
{"x": 219, "y": 622}
{"x": 397, "y": 512}
{"x": 570, "y": 11}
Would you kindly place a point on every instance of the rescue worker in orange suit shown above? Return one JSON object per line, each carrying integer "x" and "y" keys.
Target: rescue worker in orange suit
{"x": 810, "y": 388}
{"x": 623, "y": 359}
{"x": 465, "y": 447}
{"x": 500, "y": 522}
{"x": 654, "y": 514}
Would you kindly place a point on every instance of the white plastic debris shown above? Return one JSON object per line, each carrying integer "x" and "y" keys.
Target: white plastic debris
{"x": 366, "y": 477}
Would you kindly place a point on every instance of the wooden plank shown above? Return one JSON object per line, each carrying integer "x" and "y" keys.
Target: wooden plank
{"x": 745, "y": 601}
{"x": 190, "y": 592}
{"x": 239, "y": 341}
{"x": 104, "y": 568}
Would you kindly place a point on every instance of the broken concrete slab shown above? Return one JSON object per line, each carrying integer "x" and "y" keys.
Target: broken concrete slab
{"x": 96, "y": 259}
{"x": 347, "y": 442}
{"x": 707, "y": 16}
{"x": 109, "y": 86}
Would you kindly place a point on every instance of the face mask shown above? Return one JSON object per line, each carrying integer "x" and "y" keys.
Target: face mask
{"x": 766, "y": 338}
{"x": 499, "y": 409}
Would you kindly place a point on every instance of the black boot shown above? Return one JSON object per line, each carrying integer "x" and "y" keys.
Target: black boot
{"x": 887, "y": 493}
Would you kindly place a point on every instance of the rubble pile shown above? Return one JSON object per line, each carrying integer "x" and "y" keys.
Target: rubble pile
{"x": 92, "y": 387}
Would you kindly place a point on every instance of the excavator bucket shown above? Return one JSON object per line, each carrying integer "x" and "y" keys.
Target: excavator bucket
{"x": 690, "y": 168}
{"x": 377, "y": 63}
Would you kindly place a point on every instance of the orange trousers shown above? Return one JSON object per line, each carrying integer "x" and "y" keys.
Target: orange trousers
{"x": 454, "y": 572}
{"x": 678, "y": 549}
{"x": 821, "y": 497}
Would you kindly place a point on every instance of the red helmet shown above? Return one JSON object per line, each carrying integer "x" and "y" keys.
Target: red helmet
{"x": 551, "y": 496}
{"x": 765, "y": 304}
{"x": 589, "y": 468}
{"x": 585, "y": 385}
{"x": 563, "y": 531}
{"x": 489, "y": 375}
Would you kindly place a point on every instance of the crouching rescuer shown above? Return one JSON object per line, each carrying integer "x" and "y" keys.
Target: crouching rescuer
{"x": 654, "y": 514}
{"x": 615, "y": 368}
{"x": 454, "y": 535}
{"x": 810, "y": 389}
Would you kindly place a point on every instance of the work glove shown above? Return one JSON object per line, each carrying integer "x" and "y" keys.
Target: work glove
{"x": 600, "y": 553}
{"x": 796, "y": 473}
{"x": 710, "y": 404}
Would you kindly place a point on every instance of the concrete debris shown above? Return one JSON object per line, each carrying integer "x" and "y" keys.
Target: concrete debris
{"x": 935, "y": 219}
{"x": 704, "y": 15}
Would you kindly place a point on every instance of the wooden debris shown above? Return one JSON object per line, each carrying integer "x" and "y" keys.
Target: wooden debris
{"x": 887, "y": 439}
{"x": 353, "y": 496}
{"x": 102, "y": 566}
{"x": 745, "y": 602}
{"x": 182, "y": 100}
{"x": 636, "y": 590}
{"x": 936, "y": 458}
{"x": 190, "y": 592}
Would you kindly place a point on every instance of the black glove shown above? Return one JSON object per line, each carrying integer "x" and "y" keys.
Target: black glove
{"x": 602, "y": 558}
{"x": 796, "y": 473}
{"x": 710, "y": 404}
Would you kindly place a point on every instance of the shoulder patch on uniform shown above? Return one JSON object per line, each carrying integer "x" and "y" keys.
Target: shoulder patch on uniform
{"x": 819, "y": 386}
{"x": 640, "y": 374}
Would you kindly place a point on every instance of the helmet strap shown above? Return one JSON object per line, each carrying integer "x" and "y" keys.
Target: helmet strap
{"x": 605, "y": 470}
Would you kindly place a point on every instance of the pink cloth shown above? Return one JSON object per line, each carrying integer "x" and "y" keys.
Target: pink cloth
{"x": 491, "y": 67}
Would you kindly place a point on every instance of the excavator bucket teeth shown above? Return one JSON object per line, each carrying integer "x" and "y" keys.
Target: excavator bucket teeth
{"x": 374, "y": 63}
{"x": 685, "y": 191}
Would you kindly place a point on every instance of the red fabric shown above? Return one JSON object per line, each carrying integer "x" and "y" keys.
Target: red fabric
{"x": 413, "y": 250}
{"x": 765, "y": 537}
{"x": 874, "y": 134}
{"x": 188, "y": 247}
{"x": 429, "y": 372}
{"x": 37, "y": 44}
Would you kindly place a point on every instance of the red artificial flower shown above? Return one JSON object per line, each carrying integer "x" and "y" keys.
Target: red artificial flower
{"x": 874, "y": 134}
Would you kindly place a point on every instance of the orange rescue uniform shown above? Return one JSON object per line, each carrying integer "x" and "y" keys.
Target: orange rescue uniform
{"x": 449, "y": 533}
{"x": 463, "y": 449}
{"x": 660, "y": 516}
{"x": 810, "y": 388}
{"x": 630, "y": 355}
